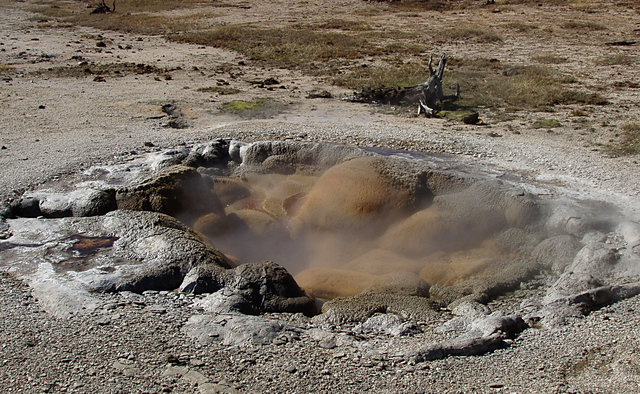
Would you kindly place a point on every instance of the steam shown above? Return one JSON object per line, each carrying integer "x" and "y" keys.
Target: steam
{"x": 340, "y": 233}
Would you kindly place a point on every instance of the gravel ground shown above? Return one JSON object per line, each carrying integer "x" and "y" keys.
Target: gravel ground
{"x": 136, "y": 345}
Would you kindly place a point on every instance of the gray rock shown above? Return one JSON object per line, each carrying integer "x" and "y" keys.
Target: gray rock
{"x": 236, "y": 330}
{"x": 226, "y": 301}
{"x": 203, "y": 279}
{"x": 388, "y": 324}
{"x": 208, "y": 154}
{"x": 79, "y": 203}
{"x": 563, "y": 310}
{"x": 168, "y": 158}
{"x": 556, "y": 252}
{"x": 484, "y": 335}
{"x": 287, "y": 157}
{"x": 359, "y": 308}
{"x": 270, "y": 288}
{"x": 172, "y": 190}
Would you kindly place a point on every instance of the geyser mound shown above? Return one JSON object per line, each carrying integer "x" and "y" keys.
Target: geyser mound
{"x": 363, "y": 232}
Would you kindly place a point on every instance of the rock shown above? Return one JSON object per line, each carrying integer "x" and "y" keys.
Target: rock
{"x": 225, "y": 301}
{"x": 249, "y": 288}
{"x": 556, "y": 252}
{"x": 216, "y": 388}
{"x": 388, "y": 324}
{"x": 28, "y": 207}
{"x": 209, "y": 154}
{"x": 401, "y": 283}
{"x": 569, "y": 218}
{"x": 167, "y": 158}
{"x": 318, "y": 93}
{"x": 235, "y": 330}
{"x": 194, "y": 378}
{"x": 172, "y": 190}
{"x": 472, "y": 118}
{"x": 203, "y": 279}
{"x": 358, "y": 309}
{"x": 270, "y": 288}
{"x": 562, "y": 310}
{"x": 288, "y": 157}
{"x": 78, "y": 203}
{"x": 485, "y": 334}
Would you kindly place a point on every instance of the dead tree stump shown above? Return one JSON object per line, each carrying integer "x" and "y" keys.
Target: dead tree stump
{"x": 428, "y": 95}
{"x": 103, "y": 8}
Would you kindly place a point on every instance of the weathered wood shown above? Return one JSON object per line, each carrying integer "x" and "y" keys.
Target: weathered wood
{"x": 427, "y": 95}
{"x": 103, "y": 8}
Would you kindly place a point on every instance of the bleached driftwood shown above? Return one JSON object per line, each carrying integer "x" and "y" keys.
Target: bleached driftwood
{"x": 428, "y": 95}
{"x": 103, "y": 8}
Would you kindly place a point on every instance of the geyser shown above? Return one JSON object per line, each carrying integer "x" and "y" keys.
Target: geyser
{"x": 358, "y": 224}
{"x": 390, "y": 232}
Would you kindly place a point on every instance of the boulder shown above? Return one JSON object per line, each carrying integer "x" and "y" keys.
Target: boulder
{"x": 557, "y": 252}
{"x": 79, "y": 202}
{"x": 270, "y": 288}
{"x": 361, "y": 307}
{"x": 238, "y": 330}
{"x": 386, "y": 323}
{"x": 172, "y": 190}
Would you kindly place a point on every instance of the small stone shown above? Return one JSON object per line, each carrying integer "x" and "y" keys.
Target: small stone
{"x": 291, "y": 369}
{"x": 496, "y": 385}
{"x": 157, "y": 309}
{"x": 41, "y": 106}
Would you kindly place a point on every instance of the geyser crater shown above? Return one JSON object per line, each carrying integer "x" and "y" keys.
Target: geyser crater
{"x": 387, "y": 239}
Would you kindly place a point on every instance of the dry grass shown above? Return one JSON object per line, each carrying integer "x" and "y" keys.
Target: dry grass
{"x": 520, "y": 27}
{"x": 549, "y": 58}
{"x": 260, "y": 108}
{"x": 617, "y": 60}
{"x": 338, "y": 47}
{"x": 629, "y": 143}
{"x": 304, "y": 49}
{"x": 408, "y": 74}
{"x": 221, "y": 90}
{"x": 583, "y": 25}
{"x": 517, "y": 87}
{"x": 478, "y": 34}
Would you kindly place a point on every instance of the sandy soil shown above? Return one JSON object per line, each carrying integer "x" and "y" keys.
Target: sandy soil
{"x": 52, "y": 125}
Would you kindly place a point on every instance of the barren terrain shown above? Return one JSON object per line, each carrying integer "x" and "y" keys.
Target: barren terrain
{"x": 80, "y": 92}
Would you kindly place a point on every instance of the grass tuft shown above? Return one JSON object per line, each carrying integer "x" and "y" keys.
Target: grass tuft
{"x": 629, "y": 143}
{"x": 546, "y": 124}
{"x": 479, "y": 34}
{"x": 617, "y": 60}
{"x": 261, "y": 108}
{"x": 221, "y": 90}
